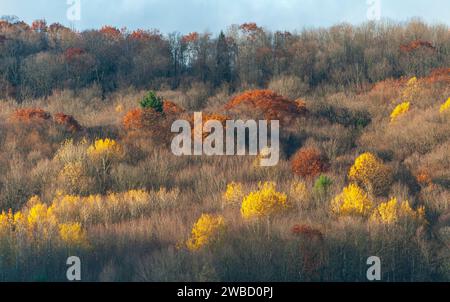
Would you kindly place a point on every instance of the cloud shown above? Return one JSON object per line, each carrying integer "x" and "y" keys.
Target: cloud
{"x": 214, "y": 15}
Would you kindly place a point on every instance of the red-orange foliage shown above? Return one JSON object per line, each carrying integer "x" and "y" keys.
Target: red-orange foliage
{"x": 301, "y": 106}
{"x": 309, "y": 163}
{"x": 73, "y": 52}
{"x": 272, "y": 105}
{"x": 171, "y": 108}
{"x": 67, "y": 121}
{"x": 111, "y": 32}
{"x": 250, "y": 27}
{"x": 28, "y": 115}
{"x": 142, "y": 119}
{"x": 133, "y": 120}
{"x": 145, "y": 35}
{"x": 39, "y": 25}
{"x": 423, "y": 177}
{"x": 192, "y": 37}
{"x": 147, "y": 124}
{"x": 438, "y": 75}
{"x": 413, "y": 45}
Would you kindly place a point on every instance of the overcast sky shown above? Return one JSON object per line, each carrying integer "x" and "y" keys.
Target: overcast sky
{"x": 214, "y": 15}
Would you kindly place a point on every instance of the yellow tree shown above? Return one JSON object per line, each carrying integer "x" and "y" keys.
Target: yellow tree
{"x": 370, "y": 173}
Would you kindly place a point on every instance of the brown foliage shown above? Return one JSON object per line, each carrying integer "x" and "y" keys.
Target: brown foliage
{"x": 133, "y": 120}
{"x": 423, "y": 177}
{"x": 67, "y": 121}
{"x": 272, "y": 105}
{"x": 28, "y": 115}
{"x": 395, "y": 84}
{"x": 438, "y": 75}
{"x": 307, "y": 231}
{"x": 171, "y": 108}
{"x": 309, "y": 163}
{"x": 142, "y": 119}
{"x": 413, "y": 45}
{"x": 301, "y": 106}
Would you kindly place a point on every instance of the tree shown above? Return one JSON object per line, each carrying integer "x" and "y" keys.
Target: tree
{"x": 223, "y": 61}
{"x": 152, "y": 101}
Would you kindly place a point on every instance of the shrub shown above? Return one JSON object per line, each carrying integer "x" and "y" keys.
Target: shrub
{"x": 39, "y": 224}
{"x": 290, "y": 86}
{"x": 309, "y": 162}
{"x": 206, "y": 230}
{"x": 105, "y": 149}
{"x": 171, "y": 108}
{"x": 273, "y": 106}
{"x": 234, "y": 193}
{"x": 399, "y": 111}
{"x": 28, "y": 115}
{"x": 152, "y": 101}
{"x": 410, "y": 92}
{"x": 369, "y": 172}
{"x": 265, "y": 202}
{"x": 352, "y": 201}
{"x": 392, "y": 212}
{"x": 104, "y": 153}
{"x": 67, "y": 121}
{"x": 322, "y": 185}
{"x": 445, "y": 107}
{"x": 299, "y": 193}
{"x": 72, "y": 234}
{"x": 111, "y": 208}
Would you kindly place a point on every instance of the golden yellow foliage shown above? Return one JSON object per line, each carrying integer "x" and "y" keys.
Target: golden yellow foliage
{"x": 105, "y": 149}
{"x": 401, "y": 109}
{"x": 371, "y": 173}
{"x": 73, "y": 235}
{"x": 98, "y": 208}
{"x": 392, "y": 212}
{"x": 264, "y": 202}
{"x": 352, "y": 201}
{"x": 207, "y": 229}
{"x": 411, "y": 90}
{"x": 38, "y": 224}
{"x": 445, "y": 107}
{"x": 234, "y": 193}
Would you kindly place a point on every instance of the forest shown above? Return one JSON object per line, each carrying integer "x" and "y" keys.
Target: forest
{"x": 87, "y": 171}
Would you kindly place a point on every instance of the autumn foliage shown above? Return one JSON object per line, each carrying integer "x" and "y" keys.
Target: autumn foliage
{"x": 307, "y": 231}
{"x": 309, "y": 162}
{"x": 272, "y": 105}
{"x": 370, "y": 173}
{"x": 416, "y": 44}
{"x": 171, "y": 108}
{"x": 67, "y": 121}
{"x": 30, "y": 115}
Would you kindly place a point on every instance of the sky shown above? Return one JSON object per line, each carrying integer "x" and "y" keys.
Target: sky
{"x": 214, "y": 15}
